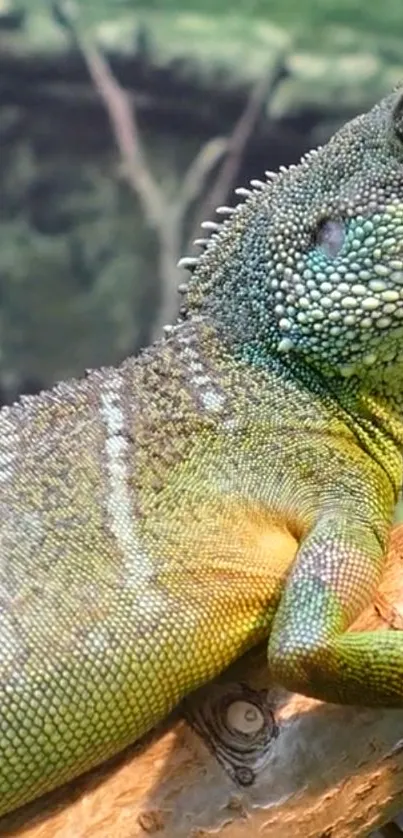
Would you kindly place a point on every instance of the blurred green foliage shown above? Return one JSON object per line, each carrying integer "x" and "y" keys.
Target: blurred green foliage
{"x": 78, "y": 266}
{"x": 69, "y": 258}
{"x": 385, "y": 17}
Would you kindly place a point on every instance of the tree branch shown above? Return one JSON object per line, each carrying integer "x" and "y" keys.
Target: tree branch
{"x": 123, "y": 119}
{"x": 166, "y": 216}
{"x": 237, "y": 143}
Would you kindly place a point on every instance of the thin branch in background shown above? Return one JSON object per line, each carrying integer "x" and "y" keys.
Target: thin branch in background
{"x": 198, "y": 172}
{"x": 168, "y": 218}
{"x": 121, "y": 113}
{"x": 237, "y": 144}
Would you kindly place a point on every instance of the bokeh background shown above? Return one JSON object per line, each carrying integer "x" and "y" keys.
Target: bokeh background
{"x": 95, "y": 212}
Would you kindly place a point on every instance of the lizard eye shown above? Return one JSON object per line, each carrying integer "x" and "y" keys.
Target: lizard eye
{"x": 330, "y": 237}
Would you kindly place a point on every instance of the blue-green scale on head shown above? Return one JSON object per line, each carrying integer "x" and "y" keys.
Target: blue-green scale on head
{"x": 310, "y": 267}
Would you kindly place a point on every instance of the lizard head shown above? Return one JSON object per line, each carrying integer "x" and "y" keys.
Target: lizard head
{"x": 310, "y": 266}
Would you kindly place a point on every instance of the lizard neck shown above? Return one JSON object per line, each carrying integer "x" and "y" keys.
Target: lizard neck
{"x": 373, "y": 408}
{"x": 362, "y": 390}
{"x": 370, "y": 406}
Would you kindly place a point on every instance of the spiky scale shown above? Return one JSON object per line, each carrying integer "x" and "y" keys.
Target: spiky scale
{"x": 243, "y": 191}
{"x": 224, "y": 210}
{"x": 201, "y": 242}
{"x": 210, "y": 225}
{"x": 188, "y": 262}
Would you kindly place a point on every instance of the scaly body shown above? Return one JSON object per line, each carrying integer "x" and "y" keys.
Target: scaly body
{"x": 236, "y": 481}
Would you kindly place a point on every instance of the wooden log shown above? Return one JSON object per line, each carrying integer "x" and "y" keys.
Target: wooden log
{"x": 243, "y": 758}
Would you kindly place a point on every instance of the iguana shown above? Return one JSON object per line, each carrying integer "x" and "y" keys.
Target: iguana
{"x": 237, "y": 480}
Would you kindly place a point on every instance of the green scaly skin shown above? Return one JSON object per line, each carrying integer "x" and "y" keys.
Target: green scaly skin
{"x": 238, "y": 480}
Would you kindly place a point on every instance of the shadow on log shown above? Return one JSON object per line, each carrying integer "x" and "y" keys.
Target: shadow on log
{"x": 243, "y": 759}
